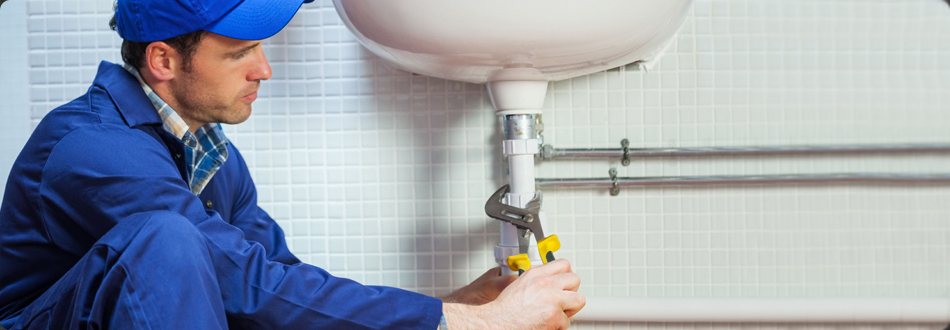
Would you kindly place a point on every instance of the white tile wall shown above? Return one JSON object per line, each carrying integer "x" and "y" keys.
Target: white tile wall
{"x": 14, "y": 85}
{"x": 380, "y": 175}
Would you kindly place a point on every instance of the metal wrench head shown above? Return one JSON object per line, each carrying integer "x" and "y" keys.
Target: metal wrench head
{"x": 521, "y": 218}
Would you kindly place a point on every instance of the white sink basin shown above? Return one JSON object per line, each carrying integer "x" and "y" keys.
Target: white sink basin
{"x": 471, "y": 40}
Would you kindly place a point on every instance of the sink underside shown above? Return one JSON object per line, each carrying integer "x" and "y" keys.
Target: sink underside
{"x": 469, "y": 40}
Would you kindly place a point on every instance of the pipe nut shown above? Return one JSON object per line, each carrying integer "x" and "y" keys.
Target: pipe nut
{"x": 547, "y": 152}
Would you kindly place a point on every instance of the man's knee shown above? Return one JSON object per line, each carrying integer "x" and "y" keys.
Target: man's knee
{"x": 151, "y": 265}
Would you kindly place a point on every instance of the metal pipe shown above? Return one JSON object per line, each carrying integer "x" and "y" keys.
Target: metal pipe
{"x": 520, "y": 127}
{"x": 550, "y": 152}
{"x": 745, "y": 179}
{"x": 777, "y": 310}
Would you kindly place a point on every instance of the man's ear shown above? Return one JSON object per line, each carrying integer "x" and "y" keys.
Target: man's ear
{"x": 162, "y": 61}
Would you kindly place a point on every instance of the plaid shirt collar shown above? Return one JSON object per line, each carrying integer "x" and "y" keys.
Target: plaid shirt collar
{"x": 205, "y": 150}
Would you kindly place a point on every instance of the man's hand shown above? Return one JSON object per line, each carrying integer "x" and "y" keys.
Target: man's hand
{"x": 483, "y": 290}
{"x": 542, "y": 298}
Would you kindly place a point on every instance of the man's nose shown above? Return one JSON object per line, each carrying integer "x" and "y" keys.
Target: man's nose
{"x": 261, "y": 70}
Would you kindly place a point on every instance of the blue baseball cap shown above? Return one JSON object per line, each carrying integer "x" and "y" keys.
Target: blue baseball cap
{"x": 155, "y": 20}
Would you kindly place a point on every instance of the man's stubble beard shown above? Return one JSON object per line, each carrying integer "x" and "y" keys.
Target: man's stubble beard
{"x": 203, "y": 107}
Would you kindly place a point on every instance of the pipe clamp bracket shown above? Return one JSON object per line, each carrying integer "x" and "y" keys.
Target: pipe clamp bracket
{"x": 615, "y": 184}
{"x": 626, "y": 152}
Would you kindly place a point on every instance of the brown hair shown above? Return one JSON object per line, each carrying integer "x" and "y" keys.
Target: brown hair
{"x": 133, "y": 53}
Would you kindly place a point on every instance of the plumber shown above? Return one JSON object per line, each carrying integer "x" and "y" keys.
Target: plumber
{"x": 129, "y": 209}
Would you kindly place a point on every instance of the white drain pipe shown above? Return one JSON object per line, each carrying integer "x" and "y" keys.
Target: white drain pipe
{"x": 518, "y": 95}
{"x": 767, "y": 310}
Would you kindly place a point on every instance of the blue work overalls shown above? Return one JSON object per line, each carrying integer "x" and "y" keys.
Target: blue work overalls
{"x": 98, "y": 229}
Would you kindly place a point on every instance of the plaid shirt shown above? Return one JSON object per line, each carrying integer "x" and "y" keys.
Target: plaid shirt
{"x": 205, "y": 150}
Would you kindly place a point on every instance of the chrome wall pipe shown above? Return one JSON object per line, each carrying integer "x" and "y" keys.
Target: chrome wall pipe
{"x": 743, "y": 179}
{"x": 550, "y": 153}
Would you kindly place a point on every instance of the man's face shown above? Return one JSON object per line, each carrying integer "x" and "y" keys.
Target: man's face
{"x": 221, "y": 81}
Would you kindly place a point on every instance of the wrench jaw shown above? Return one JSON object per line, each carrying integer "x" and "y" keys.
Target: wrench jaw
{"x": 522, "y": 218}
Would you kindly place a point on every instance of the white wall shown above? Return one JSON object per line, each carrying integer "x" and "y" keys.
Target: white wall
{"x": 14, "y": 85}
{"x": 380, "y": 175}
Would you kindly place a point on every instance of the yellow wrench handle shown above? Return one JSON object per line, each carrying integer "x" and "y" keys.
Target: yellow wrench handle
{"x": 547, "y": 246}
{"x": 519, "y": 262}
